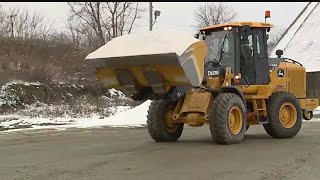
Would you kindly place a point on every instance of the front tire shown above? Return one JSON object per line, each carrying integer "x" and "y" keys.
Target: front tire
{"x": 284, "y": 114}
{"x": 160, "y": 126}
{"x": 227, "y": 119}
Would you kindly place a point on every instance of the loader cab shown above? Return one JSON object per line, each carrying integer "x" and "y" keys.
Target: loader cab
{"x": 221, "y": 48}
{"x": 241, "y": 46}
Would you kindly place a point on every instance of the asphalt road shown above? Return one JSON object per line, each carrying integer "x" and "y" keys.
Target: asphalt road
{"x": 109, "y": 153}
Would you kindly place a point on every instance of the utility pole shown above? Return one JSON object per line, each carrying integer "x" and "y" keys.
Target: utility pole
{"x": 156, "y": 14}
{"x": 150, "y": 16}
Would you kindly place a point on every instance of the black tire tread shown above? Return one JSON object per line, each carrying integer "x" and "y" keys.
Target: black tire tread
{"x": 274, "y": 127}
{"x": 155, "y": 123}
{"x": 218, "y": 119}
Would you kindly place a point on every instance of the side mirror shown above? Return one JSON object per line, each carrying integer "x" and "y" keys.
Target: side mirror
{"x": 157, "y": 13}
{"x": 279, "y": 53}
{"x": 196, "y": 36}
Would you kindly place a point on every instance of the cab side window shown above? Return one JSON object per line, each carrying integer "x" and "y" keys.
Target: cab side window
{"x": 261, "y": 49}
{"x": 246, "y": 44}
{"x": 226, "y": 46}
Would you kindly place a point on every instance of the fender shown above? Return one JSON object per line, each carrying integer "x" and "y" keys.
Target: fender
{"x": 230, "y": 89}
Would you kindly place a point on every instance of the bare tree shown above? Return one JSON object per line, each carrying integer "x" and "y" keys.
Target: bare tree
{"x": 2, "y": 22}
{"x": 83, "y": 35}
{"x": 208, "y": 14}
{"x": 99, "y": 22}
{"x": 18, "y": 23}
{"x": 76, "y": 33}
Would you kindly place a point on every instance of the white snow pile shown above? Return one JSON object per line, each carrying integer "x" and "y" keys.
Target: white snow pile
{"x": 135, "y": 117}
{"x": 23, "y": 106}
{"x": 302, "y": 40}
{"x": 113, "y": 93}
{"x": 317, "y": 111}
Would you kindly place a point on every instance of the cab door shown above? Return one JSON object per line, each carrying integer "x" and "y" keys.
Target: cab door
{"x": 261, "y": 57}
{"x": 247, "y": 59}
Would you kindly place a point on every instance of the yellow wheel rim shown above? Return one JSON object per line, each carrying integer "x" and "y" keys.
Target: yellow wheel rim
{"x": 235, "y": 120}
{"x": 288, "y": 115}
{"x": 168, "y": 120}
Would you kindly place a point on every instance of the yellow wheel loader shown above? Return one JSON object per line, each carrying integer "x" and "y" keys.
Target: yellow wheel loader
{"x": 222, "y": 77}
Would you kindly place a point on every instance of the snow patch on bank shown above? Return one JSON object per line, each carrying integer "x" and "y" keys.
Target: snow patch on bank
{"x": 4, "y": 97}
{"x": 135, "y": 117}
{"x": 317, "y": 111}
{"x": 302, "y": 41}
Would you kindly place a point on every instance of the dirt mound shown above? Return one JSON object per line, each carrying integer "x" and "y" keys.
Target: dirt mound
{"x": 28, "y": 97}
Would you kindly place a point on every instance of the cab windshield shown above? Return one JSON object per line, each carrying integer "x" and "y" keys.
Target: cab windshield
{"x": 220, "y": 47}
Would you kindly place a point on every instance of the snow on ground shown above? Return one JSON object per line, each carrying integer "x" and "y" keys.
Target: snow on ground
{"x": 302, "y": 41}
{"x": 135, "y": 117}
{"x": 317, "y": 111}
{"x": 283, "y": 43}
{"x": 80, "y": 113}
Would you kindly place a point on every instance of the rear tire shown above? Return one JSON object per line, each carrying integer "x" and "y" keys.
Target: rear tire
{"x": 222, "y": 129}
{"x": 287, "y": 123}
{"x": 157, "y": 126}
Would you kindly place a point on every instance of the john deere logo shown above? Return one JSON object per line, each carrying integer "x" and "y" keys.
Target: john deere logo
{"x": 280, "y": 73}
{"x": 213, "y": 73}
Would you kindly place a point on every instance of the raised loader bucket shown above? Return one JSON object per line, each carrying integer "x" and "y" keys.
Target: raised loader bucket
{"x": 152, "y": 63}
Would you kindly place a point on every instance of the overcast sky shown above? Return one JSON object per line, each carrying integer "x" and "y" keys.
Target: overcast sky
{"x": 180, "y": 15}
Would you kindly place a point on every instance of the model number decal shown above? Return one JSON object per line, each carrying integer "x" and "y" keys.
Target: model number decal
{"x": 213, "y": 73}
